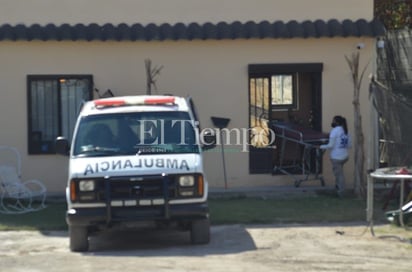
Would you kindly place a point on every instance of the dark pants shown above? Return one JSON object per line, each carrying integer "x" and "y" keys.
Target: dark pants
{"x": 337, "y": 167}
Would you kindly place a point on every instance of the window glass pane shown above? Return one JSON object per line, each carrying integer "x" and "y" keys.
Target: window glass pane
{"x": 44, "y": 117}
{"x": 259, "y": 111}
{"x": 282, "y": 89}
{"x": 259, "y": 99}
{"x": 74, "y": 92}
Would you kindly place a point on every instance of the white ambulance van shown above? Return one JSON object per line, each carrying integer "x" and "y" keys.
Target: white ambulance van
{"x": 136, "y": 161}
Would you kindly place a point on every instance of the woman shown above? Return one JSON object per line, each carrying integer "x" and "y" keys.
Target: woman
{"x": 339, "y": 142}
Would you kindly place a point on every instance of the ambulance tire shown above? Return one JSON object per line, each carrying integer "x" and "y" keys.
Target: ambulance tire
{"x": 78, "y": 239}
{"x": 200, "y": 231}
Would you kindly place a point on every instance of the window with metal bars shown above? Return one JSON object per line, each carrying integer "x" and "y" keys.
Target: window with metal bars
{"x": 54, "y": 102}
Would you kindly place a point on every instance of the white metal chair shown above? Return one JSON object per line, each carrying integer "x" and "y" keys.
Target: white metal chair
{"x": 17, "y": 196}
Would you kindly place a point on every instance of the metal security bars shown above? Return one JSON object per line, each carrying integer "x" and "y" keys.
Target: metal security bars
{"x": 53, "y": 104}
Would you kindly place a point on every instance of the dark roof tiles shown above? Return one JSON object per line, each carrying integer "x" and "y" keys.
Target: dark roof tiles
{"x": 280, "y": 30}
{"x": 266, "y": 29}
{"x": 193, "y": 31}
{"x": 322, "y": 28}
{"x": 124, "y": 32}
{"x": 180, "y": 32}
{"x": 50, "y": 32}
{"x": 335, "y": 29}
{"x": 237, "y": 30}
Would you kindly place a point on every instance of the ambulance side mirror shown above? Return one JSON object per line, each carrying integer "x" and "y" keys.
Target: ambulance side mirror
{"x": 62, "y": 146}
{"x": 208, "y": 138}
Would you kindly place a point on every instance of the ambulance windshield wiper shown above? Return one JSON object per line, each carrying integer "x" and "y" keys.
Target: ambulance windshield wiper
{"x": 97, "y": 150}
{"x": 151, "y": 149}
{"x": 165, "y": 149}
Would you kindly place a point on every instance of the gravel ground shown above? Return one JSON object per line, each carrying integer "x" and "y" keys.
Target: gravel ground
{"x": 329, "y": 247}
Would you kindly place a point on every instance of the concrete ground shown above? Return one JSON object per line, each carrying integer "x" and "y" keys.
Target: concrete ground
{"x": 276, "y": 247}
{"x": 330, "y": 247}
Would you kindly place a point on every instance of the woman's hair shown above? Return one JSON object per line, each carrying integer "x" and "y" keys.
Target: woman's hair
{"x": 341, "y": 121}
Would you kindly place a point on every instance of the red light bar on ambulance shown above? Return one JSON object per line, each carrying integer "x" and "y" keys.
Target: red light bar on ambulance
{"x": 114, "y": 102}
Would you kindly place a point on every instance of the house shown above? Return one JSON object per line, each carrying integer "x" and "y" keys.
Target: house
{"x": 224, "y": 54}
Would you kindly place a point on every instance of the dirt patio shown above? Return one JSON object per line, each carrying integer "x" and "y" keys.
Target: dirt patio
{"x": 329, "y": 247}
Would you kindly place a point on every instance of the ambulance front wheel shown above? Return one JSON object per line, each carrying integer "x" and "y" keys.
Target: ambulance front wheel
{"x": 78, "y": 239}
{"x": 200, "y": 231}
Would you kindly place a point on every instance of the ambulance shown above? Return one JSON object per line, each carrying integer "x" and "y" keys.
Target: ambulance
{"x": 136, "y": 161}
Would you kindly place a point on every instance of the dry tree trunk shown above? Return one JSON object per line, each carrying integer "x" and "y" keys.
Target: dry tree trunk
{"x": 148, "y": 66}
{"x": 151, "y": 74}
{"x": 359, "y": 139}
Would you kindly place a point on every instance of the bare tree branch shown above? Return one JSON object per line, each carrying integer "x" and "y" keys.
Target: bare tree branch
{"x": 151, "y": 75}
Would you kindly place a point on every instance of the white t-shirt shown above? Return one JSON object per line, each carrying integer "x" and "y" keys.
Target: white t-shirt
{"x": 339, "y": 142}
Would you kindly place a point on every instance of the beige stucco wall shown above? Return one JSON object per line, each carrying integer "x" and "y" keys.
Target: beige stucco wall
{"x": 214, "y": 73}
{"x": 173, "y": 11}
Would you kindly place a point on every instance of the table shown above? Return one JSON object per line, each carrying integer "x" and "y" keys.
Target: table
{"x": 388, "y": 174}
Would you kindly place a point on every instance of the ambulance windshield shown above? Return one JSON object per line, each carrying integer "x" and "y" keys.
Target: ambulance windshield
{"x": 136, "y": 133}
